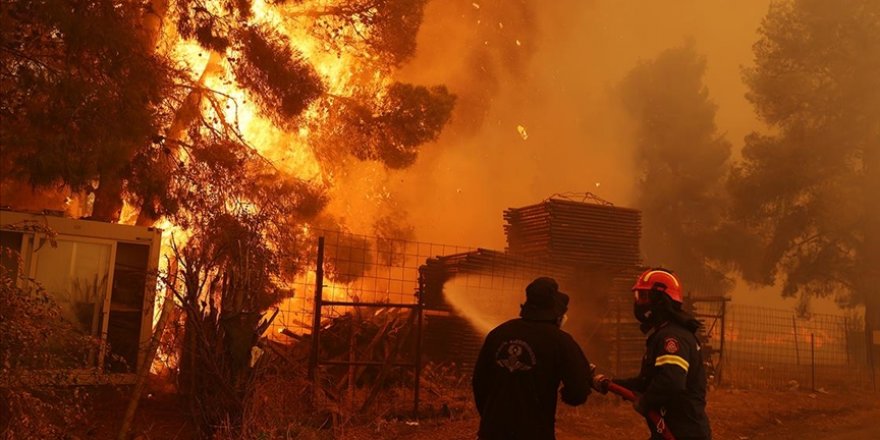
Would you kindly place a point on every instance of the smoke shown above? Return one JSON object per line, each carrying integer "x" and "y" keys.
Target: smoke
{"x": 559, "y": 83}
{"x": 551, "y": 68}
{"x": 485, "y": 304}
{"x": 487, "y": 300}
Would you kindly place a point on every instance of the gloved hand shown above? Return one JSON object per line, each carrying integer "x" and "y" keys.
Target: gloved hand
{"x": 600, "y": 383}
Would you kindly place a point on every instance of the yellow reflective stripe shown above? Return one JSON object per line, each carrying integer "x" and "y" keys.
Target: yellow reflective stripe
{"x": 671, "y": 359}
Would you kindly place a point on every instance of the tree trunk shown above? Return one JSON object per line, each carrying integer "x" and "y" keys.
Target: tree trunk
{"x": 108, "y": 198}
{"x": 188, "y": 111}
{"x": 154, "y": 16}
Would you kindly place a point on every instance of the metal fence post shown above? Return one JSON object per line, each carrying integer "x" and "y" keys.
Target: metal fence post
{"x": 316, "y": 318}
{"x": 418, "y": 361}
{"x": 813, "y": 360}
{"x": 720, "y": 368}
{"x": 617, "y": 337}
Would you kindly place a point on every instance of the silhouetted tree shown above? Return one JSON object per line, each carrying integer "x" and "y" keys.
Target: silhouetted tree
{"x": 90, "y": 94}
{"x": 81, "y": 90}
{"x": 390, "y": 129}
{"x": 682, "y": 162}
{"x": 275, "y": 74}
{"x": 807, "y": 190}
{"x": 381, "y": 30}
{"x": 212, "y": 24}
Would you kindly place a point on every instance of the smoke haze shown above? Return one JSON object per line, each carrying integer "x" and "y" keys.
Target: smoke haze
{"x": 558, "y": 83}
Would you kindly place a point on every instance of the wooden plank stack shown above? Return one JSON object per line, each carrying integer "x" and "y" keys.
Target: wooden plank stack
{"x": 590, "y": 248}
{"x": 577, "y": 233}
{"x": 619, "y": 329}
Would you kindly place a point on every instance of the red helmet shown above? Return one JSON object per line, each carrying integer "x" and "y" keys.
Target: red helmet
{"x": 660, "y": 280}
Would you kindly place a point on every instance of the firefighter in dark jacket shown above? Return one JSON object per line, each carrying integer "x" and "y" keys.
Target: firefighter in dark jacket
{"x": 522, "y": 362}
{"x": 672, "y": 381}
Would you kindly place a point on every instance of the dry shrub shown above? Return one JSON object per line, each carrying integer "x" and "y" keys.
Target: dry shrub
{"x": 283, "y": 404}
{"x": 446, "y": 391}
{"x": 34, "y": 337}
{"x": 278, "y": 406}
{"x": 281, "y": 401}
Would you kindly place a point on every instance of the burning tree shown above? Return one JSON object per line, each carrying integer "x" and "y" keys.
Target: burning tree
{"x": 268, "y": 74}
{"x": 682, "y": 162}
{"x": 66, "y": 69}
{"x": 806, "y": 192}
{"x": 379, "y": 30}
{"x": 217, "y": 117}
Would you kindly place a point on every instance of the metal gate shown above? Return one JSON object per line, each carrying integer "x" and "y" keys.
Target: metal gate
{"x": 401, "y": 355}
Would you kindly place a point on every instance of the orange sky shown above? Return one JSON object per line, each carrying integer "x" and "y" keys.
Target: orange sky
{"x": 576, "y": 53}
{"x": 560, "y": 88}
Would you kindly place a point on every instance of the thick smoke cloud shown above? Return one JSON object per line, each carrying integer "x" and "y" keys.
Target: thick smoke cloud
{"x": 557, "y": 83}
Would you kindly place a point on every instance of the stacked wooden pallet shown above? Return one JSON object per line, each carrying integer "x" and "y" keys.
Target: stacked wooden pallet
{"x": 620, "y": 329}
{"x": 579, "y": 233}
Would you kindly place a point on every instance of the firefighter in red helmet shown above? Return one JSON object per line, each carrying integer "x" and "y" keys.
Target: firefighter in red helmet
{"x": 672, "y": 380}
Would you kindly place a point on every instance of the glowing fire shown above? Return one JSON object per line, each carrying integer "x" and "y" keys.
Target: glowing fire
{"x": 288, "y": 150}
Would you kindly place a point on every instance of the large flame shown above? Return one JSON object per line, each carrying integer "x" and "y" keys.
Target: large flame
{"x": 287, "y": 149}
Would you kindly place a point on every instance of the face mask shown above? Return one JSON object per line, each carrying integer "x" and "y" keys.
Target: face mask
{"x": 642, "y": 312}
{"x": 562, "y": 320}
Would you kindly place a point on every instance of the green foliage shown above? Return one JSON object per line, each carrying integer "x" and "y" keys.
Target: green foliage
{"x": 682, "y": 161}
{"x": 806, "y": 191}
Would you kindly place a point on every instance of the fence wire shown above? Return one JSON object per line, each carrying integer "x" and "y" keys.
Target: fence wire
{"x": 469, "y": 290}
{"x": 776, "y": 348}
{"x": 357, "y": 268}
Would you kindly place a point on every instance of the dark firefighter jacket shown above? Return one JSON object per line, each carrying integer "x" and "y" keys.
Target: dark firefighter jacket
{"x": 517, "y": 377}
{"x": 673, "y": 382}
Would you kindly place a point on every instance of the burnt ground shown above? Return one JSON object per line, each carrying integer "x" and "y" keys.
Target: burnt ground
{"x": 735, "y": 415}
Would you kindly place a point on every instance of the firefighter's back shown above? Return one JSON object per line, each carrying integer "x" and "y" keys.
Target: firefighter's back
{"x": 517, "y": 379}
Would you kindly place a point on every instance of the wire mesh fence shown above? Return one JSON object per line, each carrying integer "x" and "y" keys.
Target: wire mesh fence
{"x": 358, "y": 308}
{"x": 357, "y": 268}
{"x": 467, "y": 291}
{"x": 776, "y": 348}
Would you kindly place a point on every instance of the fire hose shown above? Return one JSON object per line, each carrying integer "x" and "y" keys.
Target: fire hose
{"x": 657, "y": 422}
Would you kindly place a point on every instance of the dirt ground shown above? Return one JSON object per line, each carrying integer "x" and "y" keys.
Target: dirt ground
{"x": 734, "y": 414}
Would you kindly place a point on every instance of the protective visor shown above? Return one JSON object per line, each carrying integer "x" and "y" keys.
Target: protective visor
{"x": 642, "y": 296}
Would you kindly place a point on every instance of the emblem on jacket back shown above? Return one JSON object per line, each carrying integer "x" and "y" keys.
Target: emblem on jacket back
{"x": 515, "y": 355}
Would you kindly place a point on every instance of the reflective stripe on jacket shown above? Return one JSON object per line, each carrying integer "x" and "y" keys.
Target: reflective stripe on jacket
{"x": 673, "y": 381}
